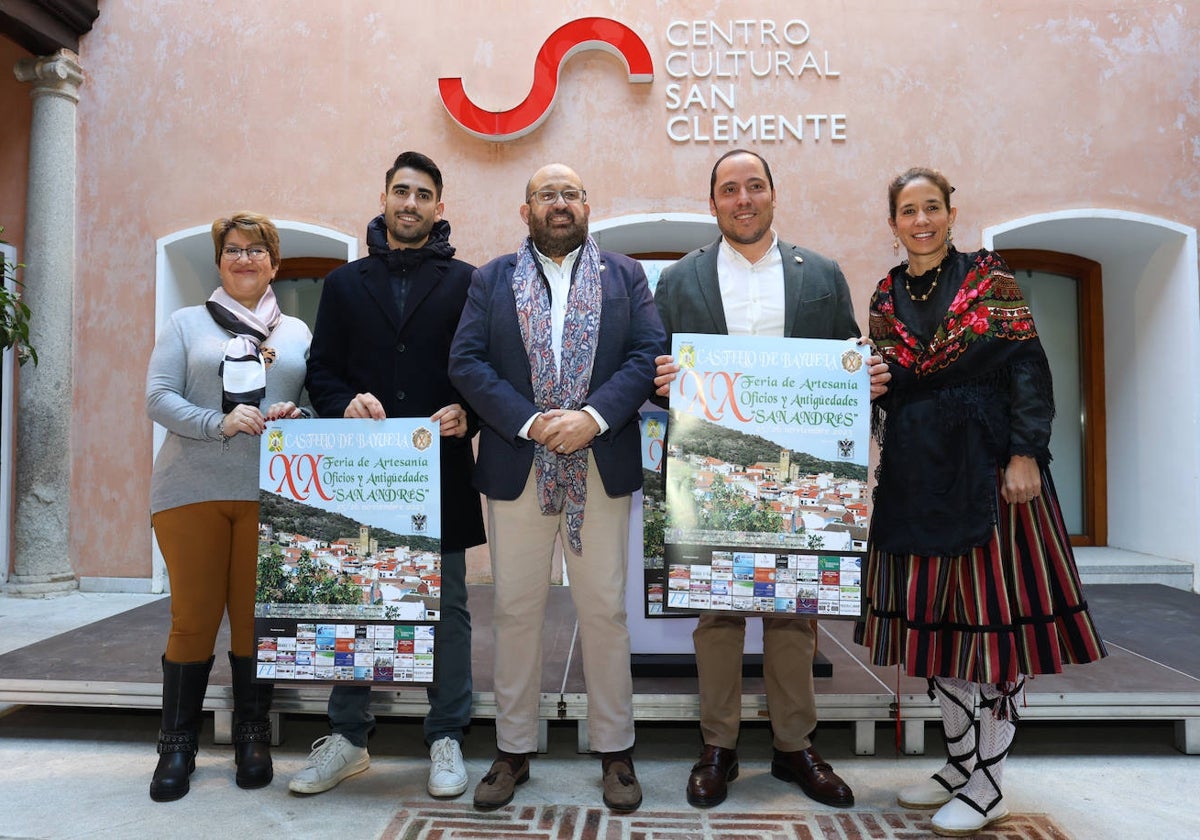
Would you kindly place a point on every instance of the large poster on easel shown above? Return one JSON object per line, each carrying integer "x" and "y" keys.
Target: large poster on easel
{"x": 767, "y": 505}
{"x": 349, "y": 561}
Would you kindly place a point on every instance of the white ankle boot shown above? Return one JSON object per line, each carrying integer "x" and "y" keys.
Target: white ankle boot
{"x": 957, "y": 700}
{"x": 980, "y": 803}
{"x": 959, "y": 818}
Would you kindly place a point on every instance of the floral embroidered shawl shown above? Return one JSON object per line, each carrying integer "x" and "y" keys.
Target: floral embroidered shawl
{"x": 958, "y": 407}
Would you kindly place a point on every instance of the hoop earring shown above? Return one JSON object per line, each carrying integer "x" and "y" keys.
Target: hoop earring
{"x": 896, "y": 246}
{"x": 949, "y": 236}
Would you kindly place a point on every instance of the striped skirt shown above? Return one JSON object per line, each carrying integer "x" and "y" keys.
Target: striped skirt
{"x": 1009, "y": 607}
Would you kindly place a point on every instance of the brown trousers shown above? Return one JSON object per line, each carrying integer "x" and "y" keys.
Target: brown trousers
{"x": 211, "y": 550}
{"x": 789, "y": 645}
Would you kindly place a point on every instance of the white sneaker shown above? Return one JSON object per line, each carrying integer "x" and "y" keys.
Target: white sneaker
{"x": 332, "y": 759}
{"x": 447, "y": 776}
{"x": 958, "y": 819}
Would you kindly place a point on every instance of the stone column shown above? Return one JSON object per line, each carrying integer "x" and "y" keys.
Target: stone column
{"x": 43, "y": 443}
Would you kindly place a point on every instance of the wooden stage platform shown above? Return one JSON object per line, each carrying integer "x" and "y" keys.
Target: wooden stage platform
{"x": 1152, "y": 672}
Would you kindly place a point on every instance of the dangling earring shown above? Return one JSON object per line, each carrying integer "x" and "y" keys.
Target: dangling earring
{"x": 949, "y": 236}
{"x": 896, "y": 245}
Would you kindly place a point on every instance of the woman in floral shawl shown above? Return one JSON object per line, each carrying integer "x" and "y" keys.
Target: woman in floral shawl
{"x": 970, "y": 579}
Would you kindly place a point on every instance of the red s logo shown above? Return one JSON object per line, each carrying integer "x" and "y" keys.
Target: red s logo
{"x": 569, "y": 39}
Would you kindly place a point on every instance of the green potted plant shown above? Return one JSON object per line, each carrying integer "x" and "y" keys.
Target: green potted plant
{"x": 14, "y": 314}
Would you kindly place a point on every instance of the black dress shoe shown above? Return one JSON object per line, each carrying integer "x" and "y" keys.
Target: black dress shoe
{"x": 815, "y": 777}
{"x": 708, "y": 783}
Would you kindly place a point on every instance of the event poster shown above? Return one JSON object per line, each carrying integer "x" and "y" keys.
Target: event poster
{"x": 767, "y": 504}
{"x": 653, "y": 424}
{"x": 349, "y": 551}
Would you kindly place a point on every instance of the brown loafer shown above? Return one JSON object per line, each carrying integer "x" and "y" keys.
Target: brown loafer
{"x": 709, "y": 782}
{"x": 621, "y": 789}
{"x": 496, "y": 788}
{"x": 814, "y": 775}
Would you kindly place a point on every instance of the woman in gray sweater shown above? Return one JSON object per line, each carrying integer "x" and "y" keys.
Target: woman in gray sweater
{"x": 213, "y": 369}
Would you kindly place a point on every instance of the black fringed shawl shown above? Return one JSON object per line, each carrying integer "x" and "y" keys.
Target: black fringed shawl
{"x": 961, "y": 402}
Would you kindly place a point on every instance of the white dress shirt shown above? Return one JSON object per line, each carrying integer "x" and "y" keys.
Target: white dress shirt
{"x": 752, "y": 293}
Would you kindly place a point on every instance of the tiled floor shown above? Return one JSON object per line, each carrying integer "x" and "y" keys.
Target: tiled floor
{"x": 456, "y": 822}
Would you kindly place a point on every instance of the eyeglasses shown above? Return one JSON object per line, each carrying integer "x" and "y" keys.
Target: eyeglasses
{"x": 552, "y": 196}
{"x": 255, "y": 253}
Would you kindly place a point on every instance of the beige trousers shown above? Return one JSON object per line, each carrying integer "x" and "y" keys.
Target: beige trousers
{"x": 521, "y": 541}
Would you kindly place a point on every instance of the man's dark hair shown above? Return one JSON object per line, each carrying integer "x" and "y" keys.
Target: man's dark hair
{"x": 712, "y": 181}
{"x": 419, "y": 162}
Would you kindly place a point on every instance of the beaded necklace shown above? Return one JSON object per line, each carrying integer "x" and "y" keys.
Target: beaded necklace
{"x": 928, "y": 292}
{"x": 937, "y": 274}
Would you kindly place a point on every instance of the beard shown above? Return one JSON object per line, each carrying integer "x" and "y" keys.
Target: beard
{"x": 746, "y": 237}
{"x": 556, "y": 242}
{"x": 408, "y": 235}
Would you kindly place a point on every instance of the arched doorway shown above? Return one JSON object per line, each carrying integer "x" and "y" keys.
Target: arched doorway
{"x": 185, "y": 276}
{"x": 1151, "y": 325}
{"x": 656, "y": 239}
{"x": 1065, "y": 293}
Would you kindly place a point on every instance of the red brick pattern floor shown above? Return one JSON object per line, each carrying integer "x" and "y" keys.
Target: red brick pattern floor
{"x": 455, "y": 821}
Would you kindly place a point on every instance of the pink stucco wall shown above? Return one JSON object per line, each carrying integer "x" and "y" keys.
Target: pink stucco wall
{"x": 295, "y": 109}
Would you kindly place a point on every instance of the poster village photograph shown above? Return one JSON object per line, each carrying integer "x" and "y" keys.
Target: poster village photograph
{"x": 765, "y": 505}
{"x": 349, "y": 560}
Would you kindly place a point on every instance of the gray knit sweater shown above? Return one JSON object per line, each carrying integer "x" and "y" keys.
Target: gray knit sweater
{"x": 183, "y": 394}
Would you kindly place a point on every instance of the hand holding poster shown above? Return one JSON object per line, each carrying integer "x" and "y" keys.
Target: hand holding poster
{"x": 766, "y": 482}
{"x": 349, "y": 569}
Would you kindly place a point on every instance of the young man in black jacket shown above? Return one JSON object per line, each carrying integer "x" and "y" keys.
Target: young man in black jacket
{"x": 380, "y": 349}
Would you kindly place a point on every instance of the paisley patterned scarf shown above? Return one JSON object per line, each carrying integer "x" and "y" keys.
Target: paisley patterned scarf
{"x": 561, "y": 479}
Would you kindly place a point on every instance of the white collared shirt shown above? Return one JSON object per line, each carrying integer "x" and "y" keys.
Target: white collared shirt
{"x": 752, "y": 293}
{"x": 558, "y": 277}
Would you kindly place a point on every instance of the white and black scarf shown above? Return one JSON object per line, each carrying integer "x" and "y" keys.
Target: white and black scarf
{"x": 243, "y": 371}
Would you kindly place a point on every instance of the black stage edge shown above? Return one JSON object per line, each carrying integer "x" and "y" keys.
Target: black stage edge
{"x": 684, "y": 665}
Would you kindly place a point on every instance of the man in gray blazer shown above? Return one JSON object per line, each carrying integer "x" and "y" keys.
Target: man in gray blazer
{"x": 749, "y": 282}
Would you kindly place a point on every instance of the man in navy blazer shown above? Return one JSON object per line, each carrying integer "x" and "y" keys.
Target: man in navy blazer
{"x": 381, "y": 348}
{"x": 555, "y": 353}
{"x": 749, "y": 282}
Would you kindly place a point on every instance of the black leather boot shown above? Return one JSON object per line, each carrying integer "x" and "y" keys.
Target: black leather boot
{"x": 251, "y": 724}
{"x": 184, "y": 684}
